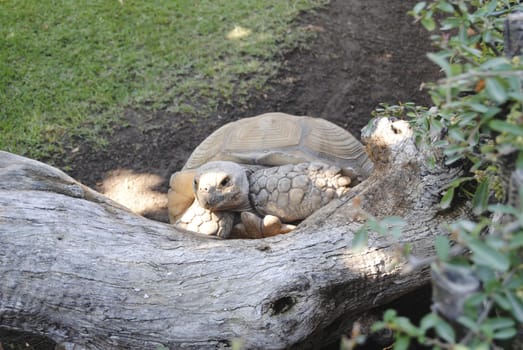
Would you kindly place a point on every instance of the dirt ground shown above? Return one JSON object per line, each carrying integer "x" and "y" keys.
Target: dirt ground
{"x": 366, "y": 52}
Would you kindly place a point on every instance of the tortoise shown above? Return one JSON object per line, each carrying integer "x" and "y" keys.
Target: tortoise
{"x": 282, "y": 167}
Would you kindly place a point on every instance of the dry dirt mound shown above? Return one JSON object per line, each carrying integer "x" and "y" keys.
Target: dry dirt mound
{"x": 366, "y": 52}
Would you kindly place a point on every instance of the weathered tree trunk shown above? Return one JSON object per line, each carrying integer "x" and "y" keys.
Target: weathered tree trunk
{"x": 78, "y": 268}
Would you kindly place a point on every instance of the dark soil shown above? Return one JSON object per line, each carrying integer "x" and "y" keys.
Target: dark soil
{"x": 366, "y": 52}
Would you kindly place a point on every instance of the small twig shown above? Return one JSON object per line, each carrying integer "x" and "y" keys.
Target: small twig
{"x": 438, "y": 343}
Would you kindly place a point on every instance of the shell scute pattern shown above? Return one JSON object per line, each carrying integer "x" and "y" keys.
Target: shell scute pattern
{"x": 295, "y": 165}
{"x": 293, "y": 195}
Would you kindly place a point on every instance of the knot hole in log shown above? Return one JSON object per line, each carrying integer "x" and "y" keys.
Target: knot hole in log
{"x": 282, "y": 305}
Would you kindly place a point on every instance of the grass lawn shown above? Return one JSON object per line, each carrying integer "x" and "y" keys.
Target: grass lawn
{"x": 69, "y": 68}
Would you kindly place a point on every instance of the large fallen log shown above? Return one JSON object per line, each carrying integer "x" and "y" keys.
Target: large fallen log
{"x": 81, "y": 269}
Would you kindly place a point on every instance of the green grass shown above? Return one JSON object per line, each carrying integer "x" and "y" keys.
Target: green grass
{"x": 68, "y": 68}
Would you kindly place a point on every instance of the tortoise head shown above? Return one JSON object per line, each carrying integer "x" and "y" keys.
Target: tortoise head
{"x": 222, "y": 185}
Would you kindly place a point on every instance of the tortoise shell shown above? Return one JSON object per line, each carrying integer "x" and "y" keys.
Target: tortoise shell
{"x": 271, "y": 139}
{"x": 274, "y": 139}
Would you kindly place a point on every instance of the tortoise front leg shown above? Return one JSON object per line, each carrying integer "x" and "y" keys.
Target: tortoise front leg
{"x": 181, "y": 194}
{"x": 200, "y": 220}
{"x": 252, "y": 226}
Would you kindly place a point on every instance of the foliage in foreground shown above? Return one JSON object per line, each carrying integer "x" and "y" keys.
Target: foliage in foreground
{"x": 69, "y": 68}
{"x": 476, "y": 122}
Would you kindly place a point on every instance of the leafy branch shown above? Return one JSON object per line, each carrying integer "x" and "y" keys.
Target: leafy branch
{"x": 477, "y": 123}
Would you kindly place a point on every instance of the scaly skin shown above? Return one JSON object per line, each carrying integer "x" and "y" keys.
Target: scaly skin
{"x": 201, "y": 220}
{"x": 288, "y": 192}
{"x": 293, "y": 192}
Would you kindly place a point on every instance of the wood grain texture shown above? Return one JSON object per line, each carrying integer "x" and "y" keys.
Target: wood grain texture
{"x": 81, "y": 269}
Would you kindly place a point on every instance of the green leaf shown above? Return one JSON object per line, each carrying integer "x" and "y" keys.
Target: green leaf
{"x": 453, "y": 158}
{"x": 447, "y": 199}
{"x": 500, "y": 322}
{"x": 360, "y": 240}
{"x": 428, "y": 23}
{"x": 491, "y": 7}
{"x": 496, "y": 64}
{"x": 503, "y": 209}
{"x": 473, "y": 51}
{"x": 505, "y": 333}
{"x": 491, "y": 112}
{"x": 492, "y": 285}
{"x": 485, "y": 274}
{"x": 402, "y": 343}
{"x": 393, "y": 221}
{"x": 428, "y": 321}
{"x": 440, "y": 60}
{"x": 389, "y": 315}
{"x": 419, "y": 6}
{"x": 477, "y": 299}
{"x": 441, "y": 143}
{"x": 378, "y": 326}
{"x": 237, "y": 344}
{"x": 450, "y": 23}
{"x": 445, "y": 7}
{"x": 496, "y": 90}
{"x": 516, "y": 306}
{"x": 467, "y": 225}
{"x": 478, "y": 107}
{"x": 406, "y": 326}
{"x": 485, "y": 255}
{"x": 516, "y": 241}
{"x": 469, "y": 323}
{"x": 469, "y": 118}
{"x": 501, "y": 301}
{"x": 514, "y": 83}
{"x": 515, "y": 283}
{"x": 495, "y": 241}
{"x": 393, "y": 225}
{"x": 456, "y": 69}
{"x": 503, "y": 126}
{"x": 456, "y": 134}
{"x": 480, "y": 200}
{"x": 481, "y": 346}
{"x": 445, "y": 331}
{"x": 485, "y": 329}
{"x": 461, "y": 347}
{"x": 442, "y": 247}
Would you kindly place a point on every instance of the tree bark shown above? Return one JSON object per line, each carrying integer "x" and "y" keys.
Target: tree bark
{"x": 513, "y": 34}
{"x": 79, "y": 268}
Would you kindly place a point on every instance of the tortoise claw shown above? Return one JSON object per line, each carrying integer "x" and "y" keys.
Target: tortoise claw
{"x": 252, "y": 226}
